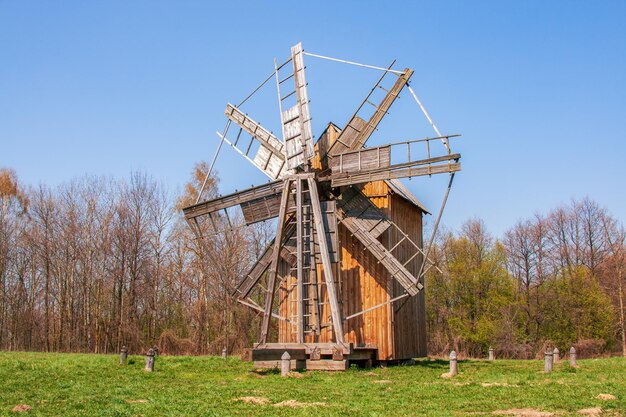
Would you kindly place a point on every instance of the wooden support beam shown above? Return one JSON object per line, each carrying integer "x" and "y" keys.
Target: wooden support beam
{"x": 325, "y": 348}
{"x": 328, "y": 270}
{"x": 300, "y": 261}
{"x": 271, "y": 288}
{"x": 257, "y": 307}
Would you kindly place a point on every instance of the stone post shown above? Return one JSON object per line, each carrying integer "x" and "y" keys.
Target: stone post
{"x": 224, "y": 353}
{"x": 285, "y": 364}
{"x": 454, "y": 369}
{"x": 491, "y": 356}
{"x": 123, "y": 355}
{"x": 556, "y": 355}
{"x": 149, "y": 361}
{"x": 547, "y": 363}
{"x": 572, "y": 357}
{"x": 155, "y": 349}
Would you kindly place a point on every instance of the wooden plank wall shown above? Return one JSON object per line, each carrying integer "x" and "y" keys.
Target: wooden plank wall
{"x": 409, "y": 316}
{"x": 366, "y": 284}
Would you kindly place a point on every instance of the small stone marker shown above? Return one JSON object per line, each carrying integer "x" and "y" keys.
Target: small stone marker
{"x": 454, "y": 369}
{"x": 149, "y": 361}
{"x": 285, "y": 364}
{"x": 572, "y": 357}
{"x": 556, "y": 355}
{"x": 547, "y": 363}
{"x": 123, "y": 355}
{"x": 224, "y": 353}
{"x": 491, "y": 356}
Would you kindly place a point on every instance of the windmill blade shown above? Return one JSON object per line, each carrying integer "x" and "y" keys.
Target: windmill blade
{"x": 395, "y": 268}
{"x": 439, "y": 165}
{"x": 296, "y": 120}
{"x": 270, "y": 191}
{"x": 269, "y": 157}
{"x": 358, "y": 131}
{"x": 355, "y": 205}
{"x": 374, "y": 164}
{"x": 366, "y": 223}
{"x": 246, "y": 285}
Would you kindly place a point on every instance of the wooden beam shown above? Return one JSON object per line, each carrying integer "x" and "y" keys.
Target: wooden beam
{"x": 328, "y": 270}
{"x": 257, "y": 307}
{"x": 254, "y": 129}
{"x": 363, "y": 134}
{"x": 404, "y": 170}
{"x": 246, "y": 285}
{"x": 326, "y": 348}
{"x": 269, "y": 298}
{"x": 233, "y": 199}
{"x": 393, "y": 265}
{"x": 300, "y": 262}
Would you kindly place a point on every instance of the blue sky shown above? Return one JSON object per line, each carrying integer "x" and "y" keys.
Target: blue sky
{"x": 536, "y": 88}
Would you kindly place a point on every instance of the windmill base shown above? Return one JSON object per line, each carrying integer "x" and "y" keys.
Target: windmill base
{"x": 312, "y": 356}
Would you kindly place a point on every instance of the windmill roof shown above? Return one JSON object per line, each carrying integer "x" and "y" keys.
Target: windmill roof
{"x": 400, "y": 189}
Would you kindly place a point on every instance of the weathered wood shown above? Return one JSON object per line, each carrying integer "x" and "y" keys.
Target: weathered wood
{"x": 364, "y": 214}
{"x": 348, "y": 136}
{"x": 275, "y": 354}
{"x": 328, "y": 271}
{"x": 269, "y": 298}
{"x": 363, "y": 159}
{"x": 246, "y": 285}
{"x": 264, "y": 208}
{"x": 326, "y": 365}
{"x": 300, "y": 262}
{"x": 326, "y": 348}
{"x": 258, "y": 308}
{"x": 269, "y": 157}
{"x": 275, "y": 364}
{"x": 381, "y": 110}
{"x": 395, "y": 268}
{"x": 231, "y": 200}
{"x": 329, "y": 219}
{"x": 433, "y": 166}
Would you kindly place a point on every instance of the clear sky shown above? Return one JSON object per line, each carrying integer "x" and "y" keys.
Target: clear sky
{"x": 536, "y": 88}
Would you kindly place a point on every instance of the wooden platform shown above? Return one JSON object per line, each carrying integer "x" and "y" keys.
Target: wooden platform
{"x": 312, "y": 356}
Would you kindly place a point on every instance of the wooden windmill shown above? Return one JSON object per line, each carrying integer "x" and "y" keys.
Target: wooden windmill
{"x": 341, "y": 280}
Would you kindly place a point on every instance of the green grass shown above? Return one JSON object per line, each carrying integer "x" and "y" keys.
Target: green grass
{"x": 95, "y": 385}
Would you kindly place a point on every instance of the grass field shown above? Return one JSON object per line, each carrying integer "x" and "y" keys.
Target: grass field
{"x": 95, "y": 385}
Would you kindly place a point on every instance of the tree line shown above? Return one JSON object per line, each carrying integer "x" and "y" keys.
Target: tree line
{"x": 94, "y": 264}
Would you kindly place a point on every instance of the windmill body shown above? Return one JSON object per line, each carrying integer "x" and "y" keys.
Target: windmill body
{"x": 342, "y": 280}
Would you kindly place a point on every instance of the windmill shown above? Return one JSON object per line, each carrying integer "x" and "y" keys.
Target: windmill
{"x": 318, "y": 191}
